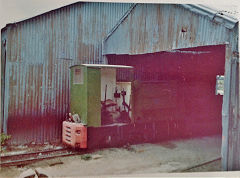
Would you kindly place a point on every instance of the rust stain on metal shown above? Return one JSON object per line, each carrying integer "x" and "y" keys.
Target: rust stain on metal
{"x": 171, "y": 28}
{"x": 177, "y": 35}
{"x": 159, "y": 24}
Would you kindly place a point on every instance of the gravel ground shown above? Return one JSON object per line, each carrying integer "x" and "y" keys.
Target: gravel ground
{"x": 174, "y": 156}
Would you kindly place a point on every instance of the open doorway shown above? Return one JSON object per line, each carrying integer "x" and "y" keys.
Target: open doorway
{"x": 177, "y": 87}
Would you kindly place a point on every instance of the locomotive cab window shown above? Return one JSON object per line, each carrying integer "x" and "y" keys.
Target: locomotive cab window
{"x": 78, "y": 76}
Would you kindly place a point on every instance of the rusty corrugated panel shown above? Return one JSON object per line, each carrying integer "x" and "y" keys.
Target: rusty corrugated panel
{"x": 3, "y": 62}
{"x": 151, "y": 28}
{"x": 39, "y": 53}
{"x": 231, "y": 151}
{"x": 235, "y": 129}
{"x": 218, "y": 16}
{"x": 160, "y": 27}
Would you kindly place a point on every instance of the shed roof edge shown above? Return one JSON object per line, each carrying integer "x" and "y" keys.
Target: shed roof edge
{"x": 214, "y": 15}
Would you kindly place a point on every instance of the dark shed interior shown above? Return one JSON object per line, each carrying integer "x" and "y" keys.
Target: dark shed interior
{"x": 177, "y": 86}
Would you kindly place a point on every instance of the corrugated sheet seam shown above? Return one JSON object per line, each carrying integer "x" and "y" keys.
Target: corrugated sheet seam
{"x": 120, "y": 21}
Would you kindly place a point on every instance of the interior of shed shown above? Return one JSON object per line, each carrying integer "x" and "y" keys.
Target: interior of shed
{"x": 178, "y": 88}
{"x": 115, "y": 97}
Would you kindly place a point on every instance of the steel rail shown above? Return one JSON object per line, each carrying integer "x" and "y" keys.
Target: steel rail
{"x": 200, "y": 165}
{"x": 26, "y": 158}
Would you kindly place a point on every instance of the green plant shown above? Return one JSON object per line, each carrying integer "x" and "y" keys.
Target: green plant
{"x": 86, "y": 157}
{"x": 4, "y": 138}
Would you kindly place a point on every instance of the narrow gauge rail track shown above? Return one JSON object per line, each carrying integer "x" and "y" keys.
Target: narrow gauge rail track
{"x": 27, "y": 158}
{"x": 199, "y": 167}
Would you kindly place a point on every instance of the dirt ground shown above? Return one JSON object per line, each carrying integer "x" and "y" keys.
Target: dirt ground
{"x": 173, "y": 156}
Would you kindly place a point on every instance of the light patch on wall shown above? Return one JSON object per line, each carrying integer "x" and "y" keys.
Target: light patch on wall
{"x": 220, "y": 85}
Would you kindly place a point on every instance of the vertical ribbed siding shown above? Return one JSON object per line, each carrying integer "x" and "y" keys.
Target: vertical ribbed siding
{"x": 231, "y": 159}
{"x": 3, "y": 53}
{"x": 137, "y": 35}
{"x": 158, "y": 27}
{"x": 39, "y": 53}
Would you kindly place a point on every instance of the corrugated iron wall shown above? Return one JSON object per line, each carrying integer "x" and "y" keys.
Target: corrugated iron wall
{"x": 39, "y": 53}
{"x": 190, "y": 78}
{"x": 231, "y": 149}
{"x": 3, "y": 61}
{"x": 152, "y": 28}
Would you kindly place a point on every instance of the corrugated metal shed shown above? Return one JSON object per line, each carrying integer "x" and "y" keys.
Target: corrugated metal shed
{"x": 151, "y": 28}
{"x": 39, "y": 52}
